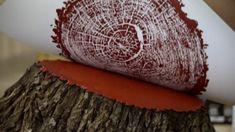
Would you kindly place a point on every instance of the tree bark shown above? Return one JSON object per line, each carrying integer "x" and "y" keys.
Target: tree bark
{"x": 41, "y": 102}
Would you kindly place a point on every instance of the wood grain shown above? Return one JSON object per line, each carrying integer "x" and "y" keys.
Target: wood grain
{"x": 40, "y": 102}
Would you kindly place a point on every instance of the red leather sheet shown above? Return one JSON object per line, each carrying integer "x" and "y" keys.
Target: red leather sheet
{"x": 121, "y": 88}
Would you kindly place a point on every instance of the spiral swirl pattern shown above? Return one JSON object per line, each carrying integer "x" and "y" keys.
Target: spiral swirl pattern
{"x": 149, "y": 39}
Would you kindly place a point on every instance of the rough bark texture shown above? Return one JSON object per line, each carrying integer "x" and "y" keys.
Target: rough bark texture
{"x": 41, "y": 102}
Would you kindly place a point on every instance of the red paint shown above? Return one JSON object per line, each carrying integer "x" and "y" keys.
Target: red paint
{"x": 168, "y": 50}
{"x": 121, "y": 88}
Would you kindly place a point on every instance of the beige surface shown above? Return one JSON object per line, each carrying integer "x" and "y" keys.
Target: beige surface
{"x": 223, "y": 128}
{"x": 14, "y": 60}
{"x": 2, "y": 1}
{"x": 225, "y": 9}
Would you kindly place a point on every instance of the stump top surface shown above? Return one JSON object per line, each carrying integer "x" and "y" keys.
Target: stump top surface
{"x": 121, "y": 88}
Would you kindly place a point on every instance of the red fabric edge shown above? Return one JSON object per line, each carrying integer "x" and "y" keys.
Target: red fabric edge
{"x": 121, "y": 88}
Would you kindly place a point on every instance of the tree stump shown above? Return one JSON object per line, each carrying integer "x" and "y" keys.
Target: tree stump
{"x": 41, "y": 102}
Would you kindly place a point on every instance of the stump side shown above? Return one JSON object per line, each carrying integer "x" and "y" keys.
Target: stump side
{"x": 42, "y": 102}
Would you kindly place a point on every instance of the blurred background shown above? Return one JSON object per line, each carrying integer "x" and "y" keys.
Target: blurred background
{"x": 16, "y": 57}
